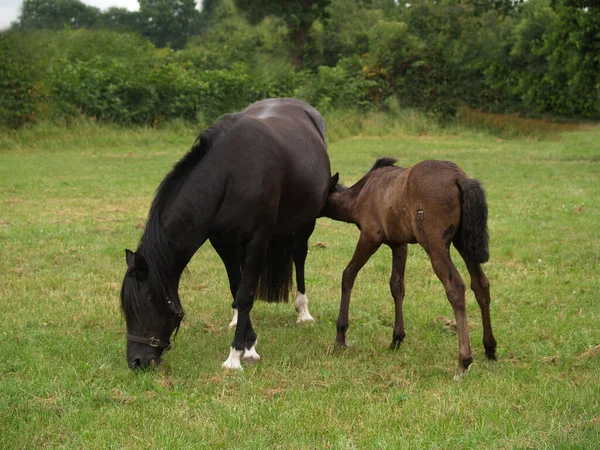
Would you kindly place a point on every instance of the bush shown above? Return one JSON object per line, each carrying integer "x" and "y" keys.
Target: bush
{"x": 22, "y": 94}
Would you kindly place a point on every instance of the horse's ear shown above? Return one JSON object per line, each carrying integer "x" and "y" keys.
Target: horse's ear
{"x": 334, "y": 180}
{"x": 137, "y": 264}
{"x": 129, "y": 257}
{"x": 141, "y": 266}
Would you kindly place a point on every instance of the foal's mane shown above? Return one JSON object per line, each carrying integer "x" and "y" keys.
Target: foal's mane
{"x": 379, "y": 163}
{"x": 155, "y": 245}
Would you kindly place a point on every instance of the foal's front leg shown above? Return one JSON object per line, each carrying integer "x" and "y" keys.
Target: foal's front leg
{"x": 367, "y": 245}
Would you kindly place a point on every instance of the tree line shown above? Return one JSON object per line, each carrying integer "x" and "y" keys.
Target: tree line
{"x": 171, "y": 59}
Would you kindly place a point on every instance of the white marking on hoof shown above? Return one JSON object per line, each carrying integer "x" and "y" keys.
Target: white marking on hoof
{"x": 301, "y": 305}
{"x": 233, "y": 322}
{"x": 233, "y": 362}
{"x": 462, "y": 374}
{"x": 251, "y": 357}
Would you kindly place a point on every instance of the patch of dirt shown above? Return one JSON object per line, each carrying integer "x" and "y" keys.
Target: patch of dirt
{"x": 593, "y": 351}
{"x": 448, "y": 324}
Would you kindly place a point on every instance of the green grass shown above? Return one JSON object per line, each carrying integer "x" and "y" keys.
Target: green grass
{"x": 72, "y": 199}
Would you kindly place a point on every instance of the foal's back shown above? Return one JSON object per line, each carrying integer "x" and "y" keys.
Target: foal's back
{"x": 418, "y": 204}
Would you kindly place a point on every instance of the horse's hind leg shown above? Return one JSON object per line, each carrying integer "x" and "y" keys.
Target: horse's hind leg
{"x": 229, "y": 256}
{"x": 480, "y": 286}
{"x": 367, "y": 245}
{"x": 455, "y": 291}
{"x": 300, "y": 251}
{"x": 397, "y": 288}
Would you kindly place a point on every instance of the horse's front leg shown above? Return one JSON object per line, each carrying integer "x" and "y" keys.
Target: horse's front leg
{"x": 300, "y": 252}
{"x": 244, "y": 339}
{"x": 230, "y": 258}
{"x": 367, "y": 245}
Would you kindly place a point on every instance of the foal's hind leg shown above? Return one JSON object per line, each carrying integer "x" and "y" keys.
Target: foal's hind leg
{"x": 455, "y": 291}
{"x": 300, "y": 251}
{"x": 397, "y": 287}
{"x": 229, "y": 256}
{"x": 481, "y": 288}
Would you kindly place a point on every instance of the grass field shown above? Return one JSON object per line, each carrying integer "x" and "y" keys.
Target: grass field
{"x": 72, "y": 199}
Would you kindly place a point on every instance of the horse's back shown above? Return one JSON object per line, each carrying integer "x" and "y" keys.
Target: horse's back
{"x": 276, "y": 162}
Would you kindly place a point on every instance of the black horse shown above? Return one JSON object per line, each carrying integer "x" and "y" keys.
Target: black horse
{"x": 253, "y": 184}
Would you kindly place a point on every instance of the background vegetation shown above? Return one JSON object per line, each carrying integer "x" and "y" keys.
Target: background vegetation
{"x": 71, "y": 199}
{"x": 63, "y": 59}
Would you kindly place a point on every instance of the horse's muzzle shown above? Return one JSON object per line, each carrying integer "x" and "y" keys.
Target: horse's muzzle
{"x": 138, "y": 363}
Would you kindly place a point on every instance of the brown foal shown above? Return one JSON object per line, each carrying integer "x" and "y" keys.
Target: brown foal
{"x": 433, "y": 204}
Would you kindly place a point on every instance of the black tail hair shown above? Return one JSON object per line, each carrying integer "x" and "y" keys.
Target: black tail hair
{"x": 276, "y": 277}
{"x": 472, "y": 237}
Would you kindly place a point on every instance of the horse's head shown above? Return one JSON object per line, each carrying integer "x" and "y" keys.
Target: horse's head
{"x": 335, "y": 205}
{"x": 150, "y": 320}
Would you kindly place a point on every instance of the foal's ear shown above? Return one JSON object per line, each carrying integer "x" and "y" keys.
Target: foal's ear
{"x": 334, "y": 180}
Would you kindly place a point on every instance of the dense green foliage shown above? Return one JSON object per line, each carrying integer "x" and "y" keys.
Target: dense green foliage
{"x": 169, "y": 60}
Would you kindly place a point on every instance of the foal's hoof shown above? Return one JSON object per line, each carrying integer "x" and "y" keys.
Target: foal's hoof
{"x": 462, "y": 374}
{"x": 395, "y": 345}
{"x": 463, "y": 368}
{"x": 491, "y": 354}
{"x": 397, "y": 339}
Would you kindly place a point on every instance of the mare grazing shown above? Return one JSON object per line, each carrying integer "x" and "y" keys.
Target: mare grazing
{"x": 253, "y": 184}
{"x": 434, "y": 204}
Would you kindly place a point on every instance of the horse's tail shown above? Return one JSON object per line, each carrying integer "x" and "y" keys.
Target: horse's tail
{"x": 472, "y": 237}
{"x": 276, "y": 277}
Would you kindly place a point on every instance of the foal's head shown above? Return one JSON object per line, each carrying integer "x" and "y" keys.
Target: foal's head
{"x": 150, "y": 320}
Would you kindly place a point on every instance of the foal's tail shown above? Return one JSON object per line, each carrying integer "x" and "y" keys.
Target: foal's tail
{"x": 276, "y": 276}
{"x": 472, "y": 237}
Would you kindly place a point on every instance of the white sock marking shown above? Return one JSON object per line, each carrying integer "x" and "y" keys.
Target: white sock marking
{"x": 233, "y": 362}
{"x": 233, "y": 322}
{"x": 250, "y": 356}
{"x": 301, "y": 305}
{"x": 464, "y": 373}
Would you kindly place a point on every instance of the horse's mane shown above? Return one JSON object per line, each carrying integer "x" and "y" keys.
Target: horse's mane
{"x": 154, "y": 245}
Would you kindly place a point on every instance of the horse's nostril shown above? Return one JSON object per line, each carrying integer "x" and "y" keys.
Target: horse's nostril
{"x": 135, "y": 363}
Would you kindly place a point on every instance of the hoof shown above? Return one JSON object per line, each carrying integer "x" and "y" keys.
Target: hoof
{"x": 233, "y": 362}
{"x": 251, "y": 357}
{"x": 491, "y": 355}
{"x": 395, "y": 345}
{"x": 305, "y": 319}
{"x": 462, "y": 374}
{"x": 301, "y": 305}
